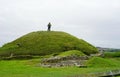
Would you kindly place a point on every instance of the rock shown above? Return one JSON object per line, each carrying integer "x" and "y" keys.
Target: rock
{"x": 64, "y": 61}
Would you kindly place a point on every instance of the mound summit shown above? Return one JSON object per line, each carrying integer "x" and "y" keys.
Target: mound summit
{"x": 45, "y": 43}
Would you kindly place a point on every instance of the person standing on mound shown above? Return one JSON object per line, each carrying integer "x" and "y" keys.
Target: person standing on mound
{"x": 49, "y": 27}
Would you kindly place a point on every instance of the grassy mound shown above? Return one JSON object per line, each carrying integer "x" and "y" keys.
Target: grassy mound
{"x": 44, "y": 43}
{"x": 102, "y": 62}
{"x": 72, "y": 53}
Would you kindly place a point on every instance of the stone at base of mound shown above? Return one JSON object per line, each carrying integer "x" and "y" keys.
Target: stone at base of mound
{"x": 67, "y": 63}
{"x": 64, "y": 61}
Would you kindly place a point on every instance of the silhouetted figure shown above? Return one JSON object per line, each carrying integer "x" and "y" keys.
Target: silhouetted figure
{"x": 49, "y": 26}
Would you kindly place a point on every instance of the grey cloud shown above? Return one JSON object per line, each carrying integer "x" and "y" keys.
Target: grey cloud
{"x": 96, "y": 21}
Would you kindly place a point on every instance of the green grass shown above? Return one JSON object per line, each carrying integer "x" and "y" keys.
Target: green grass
{"x": 44, "y": 43}
{"x": 28, "y": 68}
{"x": 102, "y": 62}
{"x": 72, "y": 52}
{"x": 112, "y": 54}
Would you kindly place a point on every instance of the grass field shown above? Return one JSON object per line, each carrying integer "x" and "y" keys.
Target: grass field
{"x": 112, "y": 54}
{"x": 29, "y": 68}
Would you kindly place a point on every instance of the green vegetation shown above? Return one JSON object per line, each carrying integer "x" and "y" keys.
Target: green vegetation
{"x": 102, "y": 62}
{"x": 29, "y": 68}
{"x": 45, "y": 43}
{"x": 72, "y": 53}
{"x": 112, "y": 54}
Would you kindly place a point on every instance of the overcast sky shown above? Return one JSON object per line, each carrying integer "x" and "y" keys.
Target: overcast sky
{"x": 96, "y": 21}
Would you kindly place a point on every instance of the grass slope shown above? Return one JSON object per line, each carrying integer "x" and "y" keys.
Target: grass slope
{"x": 102, "y": 62}
{"x": 44, "y": 43}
